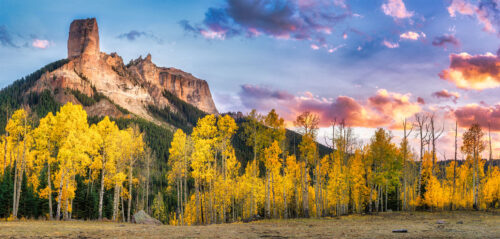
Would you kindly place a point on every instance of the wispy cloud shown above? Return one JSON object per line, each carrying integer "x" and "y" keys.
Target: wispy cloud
{"x": 445, "y": 94}
{"x": 389, "y": 44}
{"x": 444, "y": 40}
{"x": 487, "y": 12}
{"x": 6, "y": 38}
{"x": 134, "y": 35}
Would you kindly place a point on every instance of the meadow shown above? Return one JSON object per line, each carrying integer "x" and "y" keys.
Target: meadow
{"x": 458, "y": 224}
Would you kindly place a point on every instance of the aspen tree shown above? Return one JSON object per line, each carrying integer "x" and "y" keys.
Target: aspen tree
{"x": 358, "y": 189}
{"x": 308, "y": 125}
{"x": 421, "y": 124}
{"x": 203, "y": 164}
{"x": 19, "y": 139}
{"x": 405, "y": 148}
{"x": 273, "y": 165}
{"x": 46, "y": 150}
{"x": 226, "y": 128}
{"x": 123, "y": 141}
{"x": 73, "y": 157}
{"x": 473, "y": 146}
{"x": 104, "y": 163}
{"x": 178, "y": 168}
{"x": 137, "y": 149}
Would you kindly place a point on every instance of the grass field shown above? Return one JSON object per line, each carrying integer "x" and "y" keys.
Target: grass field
{"x": 419, "y": 225}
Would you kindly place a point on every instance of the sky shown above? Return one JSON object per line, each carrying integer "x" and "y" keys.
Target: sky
{"x": 371, "y": 63}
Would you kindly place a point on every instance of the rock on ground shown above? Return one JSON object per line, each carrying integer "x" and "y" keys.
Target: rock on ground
{"x": 142, "y": 217}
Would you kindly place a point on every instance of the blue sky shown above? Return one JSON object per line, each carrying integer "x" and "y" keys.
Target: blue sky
{"x": 369, "y": 62}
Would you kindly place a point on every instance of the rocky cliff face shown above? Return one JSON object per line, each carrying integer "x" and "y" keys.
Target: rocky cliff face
{"x": 183, "y": 85}
{"x": 133, "y": 86}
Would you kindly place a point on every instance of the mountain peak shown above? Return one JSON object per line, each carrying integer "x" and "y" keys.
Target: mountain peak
{"x": 134, "y": 87}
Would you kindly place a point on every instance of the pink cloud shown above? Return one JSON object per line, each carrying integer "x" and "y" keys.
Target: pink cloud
{"x": 209, "y": 34}
{"x": 445, "y": 94}
{"x": 412, "y": 35}
{"x": 396, "y": 9}
{"x": 461, "y": 6}
{"x": 383, "y": 109}
{"x": 483, "y": 115}
{"x": 41, "y": 44}
{"x": 486, "y": 12}
{"x": 389, "y": 44}
{"x": 476, "y": 72}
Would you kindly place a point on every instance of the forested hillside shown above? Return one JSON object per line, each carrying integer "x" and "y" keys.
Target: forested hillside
{"x": 157, "y": 138}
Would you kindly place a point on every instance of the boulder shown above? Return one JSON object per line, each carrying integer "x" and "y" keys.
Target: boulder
{"x": 252, "y": 218}
{"x": 142, "y": 217}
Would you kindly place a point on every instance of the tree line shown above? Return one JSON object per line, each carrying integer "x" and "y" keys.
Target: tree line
{"x": 354, "y": 178}
{"x": 54, "y": 161}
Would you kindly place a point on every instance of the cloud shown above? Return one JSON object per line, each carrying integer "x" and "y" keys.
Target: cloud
{"x": 487, "y": 12}
{"x": 445, "y": 94}
{"x": 396, "y": 9}
{"x": 393, "y": 105}
{"x": 475, "y": 72}
{"x": 383, "y": 109}
{"x": 442, "y": 41}
{"x": 188, "y": 27}
{"x": 420, "y": 100}
{"x": 40, "y": 43}
{"x": 281, "y": 19}
{"x": 412, "y": 35}
{"x": 481, "y": 114}
{"x": 334, "y": 49}
{"x": 461, "y": 6}
{"x": 133, "y": 35}
{"x": 266, "y": 93}
{"x": 5, "y": 38}
{"x": 389, "y": 44}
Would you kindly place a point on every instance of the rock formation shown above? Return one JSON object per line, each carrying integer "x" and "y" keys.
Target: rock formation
{"x": 133, "y": 87}
{"x": 83, "y": 38}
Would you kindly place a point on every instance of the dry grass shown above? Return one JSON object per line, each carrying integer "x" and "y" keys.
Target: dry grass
{"x": 419, "y": 225}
